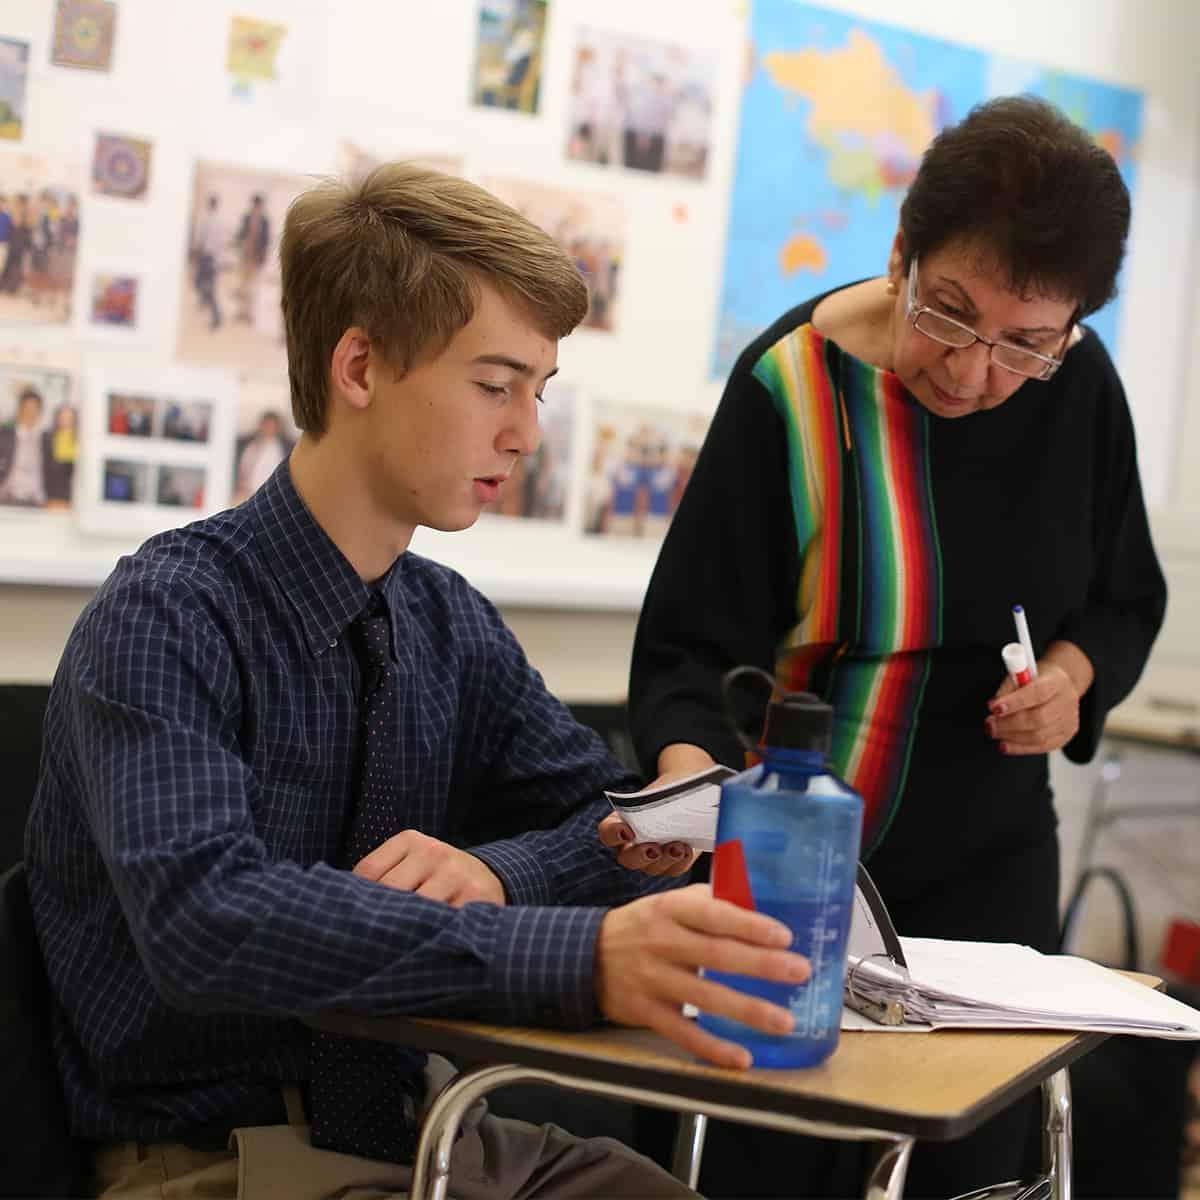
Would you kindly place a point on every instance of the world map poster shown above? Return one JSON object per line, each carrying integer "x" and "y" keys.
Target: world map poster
{"x": 835, "y": 115}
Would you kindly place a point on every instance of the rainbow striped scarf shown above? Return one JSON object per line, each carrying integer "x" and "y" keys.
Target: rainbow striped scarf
{"x": 869, "y": 602}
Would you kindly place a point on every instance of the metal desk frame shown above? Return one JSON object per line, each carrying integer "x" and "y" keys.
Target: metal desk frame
{"x": 431, "y": 1175}
{"x": 633, "y": 1068}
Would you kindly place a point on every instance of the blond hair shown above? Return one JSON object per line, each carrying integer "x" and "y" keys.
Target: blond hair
{"x": 400, "y": 254}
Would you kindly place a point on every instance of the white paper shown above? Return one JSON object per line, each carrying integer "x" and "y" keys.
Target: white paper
{"x": 983, "y": 985}
{"x": 683, "y": 810}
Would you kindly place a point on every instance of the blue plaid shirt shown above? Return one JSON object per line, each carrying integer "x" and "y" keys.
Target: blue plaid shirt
{"x": 199, "y": 773}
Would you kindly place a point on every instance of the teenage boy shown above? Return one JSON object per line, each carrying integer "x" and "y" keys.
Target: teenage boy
{"x": 221, "y": 738}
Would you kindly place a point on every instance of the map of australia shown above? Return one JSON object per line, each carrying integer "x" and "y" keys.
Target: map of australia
{"x": 836, "y": 113}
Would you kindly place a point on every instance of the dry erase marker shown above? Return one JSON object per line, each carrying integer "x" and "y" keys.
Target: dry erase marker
{"x": 1024, "y": 639}
{"x": 1016, "y": 663}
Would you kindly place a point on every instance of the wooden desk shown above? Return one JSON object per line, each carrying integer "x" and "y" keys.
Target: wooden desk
{"x": 885, "y": 1087}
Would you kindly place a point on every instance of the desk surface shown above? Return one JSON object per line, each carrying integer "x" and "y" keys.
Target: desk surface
{"x": 931, "y": 1085}
{"x": 1154, "y": 727}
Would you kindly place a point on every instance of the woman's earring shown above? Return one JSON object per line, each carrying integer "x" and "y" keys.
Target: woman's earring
{"x": 892, "y": 287}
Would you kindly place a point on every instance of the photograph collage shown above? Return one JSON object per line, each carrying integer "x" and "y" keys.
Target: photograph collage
{"x": 161, "y": 444}
{"x": 149, "y": 456}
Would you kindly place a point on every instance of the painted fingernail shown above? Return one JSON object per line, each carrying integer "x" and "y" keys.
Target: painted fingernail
{"x": 677, "y": 851}
{"x": 624, "y": 834}
{"x": 998, "y": 709}
{"x": 990, "y": 726}
{"x": 1003, "y": 747}
{"x": 653, "y": 853}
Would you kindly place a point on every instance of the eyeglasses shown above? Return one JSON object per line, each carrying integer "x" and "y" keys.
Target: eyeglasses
{"x": 950, "y": 332}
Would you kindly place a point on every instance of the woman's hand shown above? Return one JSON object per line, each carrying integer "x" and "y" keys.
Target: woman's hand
{"x": 674, "y": 858}
{"x": 1044, "y": 714}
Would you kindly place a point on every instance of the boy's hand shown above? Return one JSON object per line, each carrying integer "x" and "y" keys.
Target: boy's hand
{"x": 648, "y": 953}
{"x": 413, "y": 862}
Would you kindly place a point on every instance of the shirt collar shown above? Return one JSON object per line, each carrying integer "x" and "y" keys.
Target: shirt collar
{"x": 316, "y": 577}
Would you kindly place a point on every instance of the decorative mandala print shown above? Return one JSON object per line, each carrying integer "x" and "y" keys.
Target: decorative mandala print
{"x": 83, "y": 34}
{"x": 121, "y": 166}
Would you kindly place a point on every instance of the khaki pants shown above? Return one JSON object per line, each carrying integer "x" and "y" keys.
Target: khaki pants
{"x": 493, "y": 1159}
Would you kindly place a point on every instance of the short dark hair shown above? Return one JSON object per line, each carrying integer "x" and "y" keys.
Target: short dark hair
{"x": 1024, "y": 183}
{"x": 30, "y": 393}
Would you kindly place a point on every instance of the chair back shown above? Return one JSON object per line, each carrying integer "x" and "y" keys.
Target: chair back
{"x": 39, "y": 1156}
{"x": 22, "y": 707}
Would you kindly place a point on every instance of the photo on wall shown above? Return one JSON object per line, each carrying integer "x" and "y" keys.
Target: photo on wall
{"x": 253, "y": 49}
{"x": 187, "y": 420}
{"x": 84, "y": 34}
{"x": 180, "y": 486}
{"x": 40, "y": 209}
{"x": 229, "y": 307}
{"x": 162, "y": 448}
{"x": 642, "y": 104}
{"x": 508, "y": 54}
{"x": 14, "y": 71}
{"x": 132, "y": 415}
{"x": 264, "y": 435}
{"x": 114, "y": 300}
{"x": 589, "y": 227}
{"x": 39, "y": 435}
{"x": 539, "y": 483}
{"x": 126, "y": 481}
{"x": 641, "y": 460}
{"x": 121, "y": 166}
{"x": 274, "y": 58}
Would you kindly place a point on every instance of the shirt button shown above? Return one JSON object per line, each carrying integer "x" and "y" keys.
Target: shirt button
{"x": 333, "y": 644}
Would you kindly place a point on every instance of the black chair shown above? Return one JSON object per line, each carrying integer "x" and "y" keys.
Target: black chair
{"x": 39, "y": 1157}
{"x": 22, "y": 706}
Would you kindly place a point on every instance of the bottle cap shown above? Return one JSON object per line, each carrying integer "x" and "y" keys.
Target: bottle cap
{"x": 1015, "y": 659}
{"x": 798, "y": 721}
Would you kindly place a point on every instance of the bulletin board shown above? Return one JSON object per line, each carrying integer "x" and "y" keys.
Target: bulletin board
{"x": 157, "y": 144}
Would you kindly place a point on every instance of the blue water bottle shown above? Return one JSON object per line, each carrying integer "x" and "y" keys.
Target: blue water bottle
{"x": 788, "y": 834}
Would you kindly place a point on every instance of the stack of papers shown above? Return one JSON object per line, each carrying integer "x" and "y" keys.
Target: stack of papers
{"x": 984, "y": 985}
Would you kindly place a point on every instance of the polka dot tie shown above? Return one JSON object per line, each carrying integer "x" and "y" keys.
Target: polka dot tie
{"x": 364, "y": 1095}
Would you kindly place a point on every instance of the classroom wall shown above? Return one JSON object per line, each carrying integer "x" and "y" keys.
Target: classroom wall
{"x": 573, "y": 608}
{"x": 583, "y": 656}
{"x": 573, "y": 603}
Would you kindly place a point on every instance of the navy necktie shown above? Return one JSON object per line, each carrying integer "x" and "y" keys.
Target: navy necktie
{"x": 364, "y": 1096}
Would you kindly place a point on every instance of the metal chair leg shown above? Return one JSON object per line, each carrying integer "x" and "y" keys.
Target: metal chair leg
{"x": 1054, "y": 1183}
{"x": 886, "y": 1181}
{"x": 689, "y": 1147}
{"x": 439, "y": 1130}
{"x": 1056, "y": 1134}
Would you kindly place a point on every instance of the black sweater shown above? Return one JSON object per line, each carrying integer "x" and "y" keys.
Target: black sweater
{"x": 1037, "y": 502}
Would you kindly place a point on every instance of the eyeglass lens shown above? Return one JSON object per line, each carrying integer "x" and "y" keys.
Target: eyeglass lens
{"x": 951, "y": 333}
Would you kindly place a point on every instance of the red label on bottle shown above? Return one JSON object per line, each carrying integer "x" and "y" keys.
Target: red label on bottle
{"x": 730, "y": 879}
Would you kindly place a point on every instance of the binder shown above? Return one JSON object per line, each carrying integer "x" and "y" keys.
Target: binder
{"x": 872, "y": 936}
{"x": 925, "y": 984}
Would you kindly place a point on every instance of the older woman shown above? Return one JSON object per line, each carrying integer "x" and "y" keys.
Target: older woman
{"x": 892, "y": 467}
